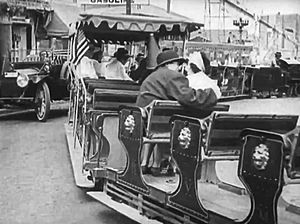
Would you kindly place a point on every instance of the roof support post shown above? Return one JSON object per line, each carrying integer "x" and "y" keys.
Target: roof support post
{"x": 128, "y": 7}
{"x": 168, "y": 6}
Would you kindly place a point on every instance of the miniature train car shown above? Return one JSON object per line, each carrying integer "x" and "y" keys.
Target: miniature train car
{"x": 107, "y": 135}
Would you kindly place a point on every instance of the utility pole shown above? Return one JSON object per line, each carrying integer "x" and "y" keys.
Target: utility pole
{"x": 241, "y": 24}
{"x": 168, "y": 6}
{"x": 128, "y": 7}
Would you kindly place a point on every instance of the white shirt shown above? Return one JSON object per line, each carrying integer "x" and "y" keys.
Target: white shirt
{"x": 115, "y": 70}
{"x": 86, "y": 68}
{"x": 201, "y": 81}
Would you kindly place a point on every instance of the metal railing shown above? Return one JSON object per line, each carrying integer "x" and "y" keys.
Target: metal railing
{"x": 32, "y": 4}
{"x": 19, "y": 55}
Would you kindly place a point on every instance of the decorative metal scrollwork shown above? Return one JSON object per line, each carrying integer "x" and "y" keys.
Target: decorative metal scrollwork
{"x": 129, "y": 123}
{"x": 184, "y": 138}
{"x": 260, "y": 157}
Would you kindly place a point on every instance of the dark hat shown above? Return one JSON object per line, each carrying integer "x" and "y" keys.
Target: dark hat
{"x": 122, "y": 53}
{"x": 168, "y": 56}
{"x": 93, "y": 48}
{"x": 278, "y": 53}
{"x": 140, "y": 55}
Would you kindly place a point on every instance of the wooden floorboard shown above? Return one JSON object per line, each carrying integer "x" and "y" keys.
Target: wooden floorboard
{"x": 76, "y": 160}
{"x": 237, "y": 206}
{"x": 165, "y": 183}
{"x": 124, "y": 209}
{"x": 227, "y": 173}
{"x": 291, "y": 195}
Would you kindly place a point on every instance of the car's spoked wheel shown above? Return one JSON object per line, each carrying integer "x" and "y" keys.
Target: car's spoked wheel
{"x": 42, "y": 100}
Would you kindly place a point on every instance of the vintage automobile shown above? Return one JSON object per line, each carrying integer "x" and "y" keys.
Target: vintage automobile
{"x": 255, "y": 81}
{"x": 291, "y": 68}
{"x": 34, "y": 83}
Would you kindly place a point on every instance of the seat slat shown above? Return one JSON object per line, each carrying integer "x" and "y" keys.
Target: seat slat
{"x": 111, "y": 99}
{"x": 93, "y": 84}
{"x": 225, "y": 129}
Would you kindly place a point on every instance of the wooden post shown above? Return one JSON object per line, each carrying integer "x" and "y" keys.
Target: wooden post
{"x": 185, "y": 40}
{"x": 5, "y": 44}
{"x": 128, "y": 7}
{"x": 168, "y": 6}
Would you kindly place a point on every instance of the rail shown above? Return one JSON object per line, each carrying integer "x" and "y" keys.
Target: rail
{"x": 19, "y": 55}
{"x": 32, "y": 4}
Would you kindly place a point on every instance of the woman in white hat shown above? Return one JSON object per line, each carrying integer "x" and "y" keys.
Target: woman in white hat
{"x": 197, "y": 77}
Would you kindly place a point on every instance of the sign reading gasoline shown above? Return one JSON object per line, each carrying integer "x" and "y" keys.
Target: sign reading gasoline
{"x": 112, "y": 2}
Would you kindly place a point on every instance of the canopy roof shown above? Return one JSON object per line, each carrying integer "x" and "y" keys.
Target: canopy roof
{"x": 112, "y": 23}
{"x": 63, "y": 15}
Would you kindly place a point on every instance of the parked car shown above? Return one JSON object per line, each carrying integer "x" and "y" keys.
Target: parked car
{"x": 34, "y": 84}
{"x": 291, "y": 68}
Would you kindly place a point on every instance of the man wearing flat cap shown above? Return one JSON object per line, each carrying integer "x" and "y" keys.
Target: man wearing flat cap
{"x": 115, "y": 69}
{"x": 166, "y": 83}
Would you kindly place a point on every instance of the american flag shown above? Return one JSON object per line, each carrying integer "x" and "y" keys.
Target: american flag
{"x": 79, "y": 45}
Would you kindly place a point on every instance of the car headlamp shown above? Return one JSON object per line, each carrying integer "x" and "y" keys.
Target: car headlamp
{"x": 22, "y": 80}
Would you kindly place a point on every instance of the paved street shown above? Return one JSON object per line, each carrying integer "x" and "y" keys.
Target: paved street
{"x": 37, "y": 184}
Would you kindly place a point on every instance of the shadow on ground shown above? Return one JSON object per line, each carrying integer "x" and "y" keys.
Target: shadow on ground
{"x": 30, "y": 115}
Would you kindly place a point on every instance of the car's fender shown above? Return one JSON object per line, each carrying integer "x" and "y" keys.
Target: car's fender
{"x": 37, "y": 78}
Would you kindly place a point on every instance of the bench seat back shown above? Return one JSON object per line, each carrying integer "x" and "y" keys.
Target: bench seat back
{"x": 223, "y": 136}
{"x": 160, "y": 112}
{"x": 111, "y": 99}
{"x": 93, "y": 84}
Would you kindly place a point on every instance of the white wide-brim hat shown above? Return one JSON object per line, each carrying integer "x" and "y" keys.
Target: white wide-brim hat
{"x": 197, "y": 60}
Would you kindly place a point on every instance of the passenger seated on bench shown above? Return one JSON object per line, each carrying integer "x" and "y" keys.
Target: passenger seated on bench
{"x": 166, "y": 83}
{"x": 196, "y": 74}
{"x": 142, "y": 72}
{"x": 98, "y": 65}
{"x": 86, "y": 67}
{"x": 115, "y": 69}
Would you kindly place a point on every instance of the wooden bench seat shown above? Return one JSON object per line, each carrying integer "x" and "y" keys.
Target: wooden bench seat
{"x": 103, "y": 127}
{"x": 224, "y": 131}
{"x": 92, "y": 84}
{"x": 160, "y": 112}
{"x": 111, "y": 99}
{"x": 294, "y": 171}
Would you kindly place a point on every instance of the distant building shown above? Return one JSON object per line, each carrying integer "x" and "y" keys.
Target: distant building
{"x": 273, "y": 33}
{"x": 30, "y": 26}
{"x": 226, "y": 36}
{"x": 289, "y": 27}
{"x": 21, "y": 25}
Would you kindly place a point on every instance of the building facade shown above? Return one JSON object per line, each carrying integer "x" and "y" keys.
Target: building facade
{"x": 22, "y": 24}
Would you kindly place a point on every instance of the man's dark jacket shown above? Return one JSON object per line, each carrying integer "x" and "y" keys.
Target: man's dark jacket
{"x": 165, "y": 84}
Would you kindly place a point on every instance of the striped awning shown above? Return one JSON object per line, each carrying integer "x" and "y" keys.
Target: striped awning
{"x": 112, "y": 23}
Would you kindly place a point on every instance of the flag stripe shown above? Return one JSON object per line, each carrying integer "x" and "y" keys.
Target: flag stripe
{"x": 79, "y": 46}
